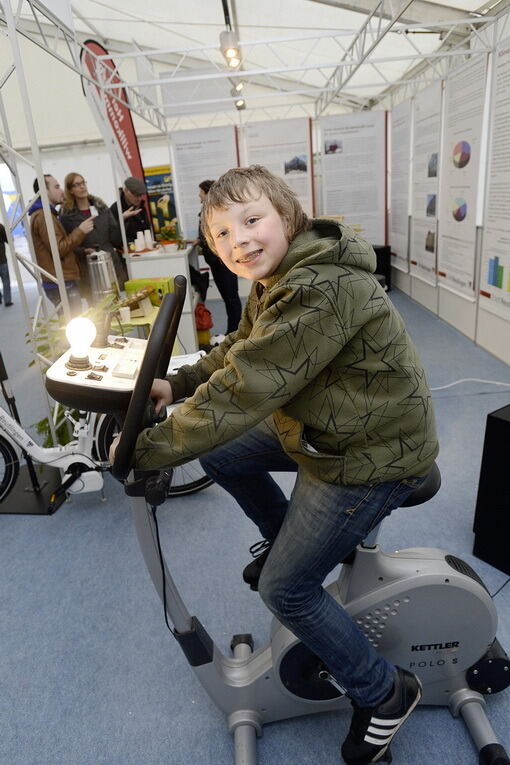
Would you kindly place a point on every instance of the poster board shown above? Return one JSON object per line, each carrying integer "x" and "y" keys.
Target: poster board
{"x": 160, "y": 190}
{"x": 353, "y": 158}
{"x": 198, "y": 155}
{"x": 425, "y": 169}
{"x": 284, "y": 148}
{"x": 495, "y": 265}
{"x": 400, "y": 164}
{"x": 460, "y": 171}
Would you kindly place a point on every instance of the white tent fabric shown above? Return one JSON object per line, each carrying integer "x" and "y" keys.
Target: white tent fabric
{"x": 290, "y": 50}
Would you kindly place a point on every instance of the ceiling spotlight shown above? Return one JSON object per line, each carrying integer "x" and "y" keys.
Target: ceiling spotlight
{"x": 240, "y": 104}
{"x": 239, "y": 86}
{"x": 230, "y": 47}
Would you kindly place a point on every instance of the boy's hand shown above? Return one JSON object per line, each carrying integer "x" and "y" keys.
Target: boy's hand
{"x": 161, "y": 394}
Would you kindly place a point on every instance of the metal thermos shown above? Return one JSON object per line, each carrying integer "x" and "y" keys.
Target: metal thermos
{"x": 102, "y": 277}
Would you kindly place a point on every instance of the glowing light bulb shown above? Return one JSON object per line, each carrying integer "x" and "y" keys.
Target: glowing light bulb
{"x": 80, "y": 333}
{"x": 233, "y": 62}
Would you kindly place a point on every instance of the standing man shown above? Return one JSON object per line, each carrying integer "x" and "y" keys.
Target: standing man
{"x": 132, "y": 198}
{"x": 4, "y": 269}
{"x": 65, "y": 242}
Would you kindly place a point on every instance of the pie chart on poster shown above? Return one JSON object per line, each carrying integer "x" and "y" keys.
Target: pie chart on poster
{"x": 459, "y": 208}
{"x": 461, "y": 154}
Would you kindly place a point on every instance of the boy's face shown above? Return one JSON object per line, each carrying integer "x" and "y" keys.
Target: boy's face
{"x": 249, "y": 237}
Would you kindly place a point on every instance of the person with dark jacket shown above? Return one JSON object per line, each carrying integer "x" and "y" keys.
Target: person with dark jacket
{"x": 66, "y": 244}
{"x": 4, "y": 269}
{"x": 225, "y": 280}
{"x": 132, "y": 199}
{"x": 80, "y": 205}
{"x": 320, "y": 379}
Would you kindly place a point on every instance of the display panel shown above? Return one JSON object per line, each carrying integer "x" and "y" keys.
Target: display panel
{"x": 495, "y": 266}
{"x": 284, "y": 147}
{"x": 460, "y": 169}
{"x": 353, "y": 148}
{"x": 199, "y": 155}
{"x": 426, "y": 150}
{"x": 400, "y": 172}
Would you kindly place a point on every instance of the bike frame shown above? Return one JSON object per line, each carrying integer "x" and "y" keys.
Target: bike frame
{"x": 62, "y": 457}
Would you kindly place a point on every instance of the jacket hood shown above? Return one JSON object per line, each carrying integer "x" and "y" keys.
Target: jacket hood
{"x": 37, "y": 205}
{"x": 327, "y": 242}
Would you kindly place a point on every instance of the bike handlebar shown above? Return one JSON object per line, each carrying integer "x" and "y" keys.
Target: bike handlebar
{"x": 154, "y": 364}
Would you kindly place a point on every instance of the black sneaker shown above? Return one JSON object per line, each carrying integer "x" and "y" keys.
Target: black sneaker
{"x": 372, "y": 728}
{"x": 260, "y": 551}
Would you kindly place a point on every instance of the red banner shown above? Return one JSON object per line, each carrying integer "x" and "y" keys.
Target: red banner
{"x": 119, "y": 114}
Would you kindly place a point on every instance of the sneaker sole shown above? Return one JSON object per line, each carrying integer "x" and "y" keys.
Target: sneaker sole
{"x": 411, "y": 709}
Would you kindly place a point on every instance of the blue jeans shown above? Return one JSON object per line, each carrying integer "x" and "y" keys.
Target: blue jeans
{"x": 227, "y": 285}
{"x": 73, "y": 295}
{"x": 311, "y": 534}
{"x": 6, "y": 282}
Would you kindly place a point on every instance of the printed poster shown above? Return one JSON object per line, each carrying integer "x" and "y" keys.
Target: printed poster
{"x": 426, "y": 147}
{"x": 495, "y": 267}
{"x": 460, "y": 167}
{"x": 284, "y": 147}
{"x": 354, "y": 171}
{"x": 400, "y": 176}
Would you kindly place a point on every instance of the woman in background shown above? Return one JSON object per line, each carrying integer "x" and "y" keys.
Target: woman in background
{"x": 225, "y": 280}
{"x": 80, "y": 205}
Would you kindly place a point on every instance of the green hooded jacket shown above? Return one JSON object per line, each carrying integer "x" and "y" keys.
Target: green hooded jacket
{"x": 323, "y": 351}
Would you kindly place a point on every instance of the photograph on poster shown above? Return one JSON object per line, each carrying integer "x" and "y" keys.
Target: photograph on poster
{"x": 333, "y": 146}
{"x": 297, "y": 164}
{"x": 432, "y": 166}
{"x": 430, "y": 241}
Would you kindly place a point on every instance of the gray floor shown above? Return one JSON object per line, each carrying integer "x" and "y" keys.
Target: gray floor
{"x": 88, "y": 671}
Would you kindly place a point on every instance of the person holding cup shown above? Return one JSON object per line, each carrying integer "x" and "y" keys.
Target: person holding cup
{"x": 80, "y": 205}
{"x": 132, "y": 200}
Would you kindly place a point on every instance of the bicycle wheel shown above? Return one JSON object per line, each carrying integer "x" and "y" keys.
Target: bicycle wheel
{"x": 187, "y": 479}
{"x": 9, "y": 467}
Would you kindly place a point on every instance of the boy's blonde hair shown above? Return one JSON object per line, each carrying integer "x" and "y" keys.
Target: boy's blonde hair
{"x": 242, "y": 184}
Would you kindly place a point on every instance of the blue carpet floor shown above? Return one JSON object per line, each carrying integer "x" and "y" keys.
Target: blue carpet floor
{"x": 89, "y": 674}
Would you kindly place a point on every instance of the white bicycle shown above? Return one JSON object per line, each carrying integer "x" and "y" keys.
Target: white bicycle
{"x": 85, "y": 458}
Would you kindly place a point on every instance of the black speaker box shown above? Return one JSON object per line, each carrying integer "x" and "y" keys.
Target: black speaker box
{"x": 383, "y": 255}
{"x": 492, "y": 514}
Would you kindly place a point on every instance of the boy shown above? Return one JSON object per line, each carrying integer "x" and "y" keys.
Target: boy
{"x": 320, "y": 378}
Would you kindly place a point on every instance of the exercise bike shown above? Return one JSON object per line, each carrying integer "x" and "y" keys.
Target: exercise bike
{"x": 390, "y": 595}
{"x": 85, "y": 458}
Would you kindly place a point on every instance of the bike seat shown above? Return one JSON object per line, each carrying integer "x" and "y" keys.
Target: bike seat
{"x": 426, "y": 490}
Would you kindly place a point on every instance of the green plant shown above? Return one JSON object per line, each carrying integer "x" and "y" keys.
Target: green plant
{"x": 171, "y": 232}
{"x": 63, "y": 430}
{"x": 51, "y": 342}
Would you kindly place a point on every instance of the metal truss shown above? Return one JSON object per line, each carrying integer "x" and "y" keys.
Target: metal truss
{"x": 35, "y": 23}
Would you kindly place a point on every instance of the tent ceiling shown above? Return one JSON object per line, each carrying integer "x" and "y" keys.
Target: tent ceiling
{"x": 291, "y": 49}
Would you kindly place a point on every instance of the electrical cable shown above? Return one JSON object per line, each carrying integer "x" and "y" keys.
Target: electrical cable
{"x": 472, "y": 379}
{"x": 154, "y": 510}
{"x": 499, "y": 590}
